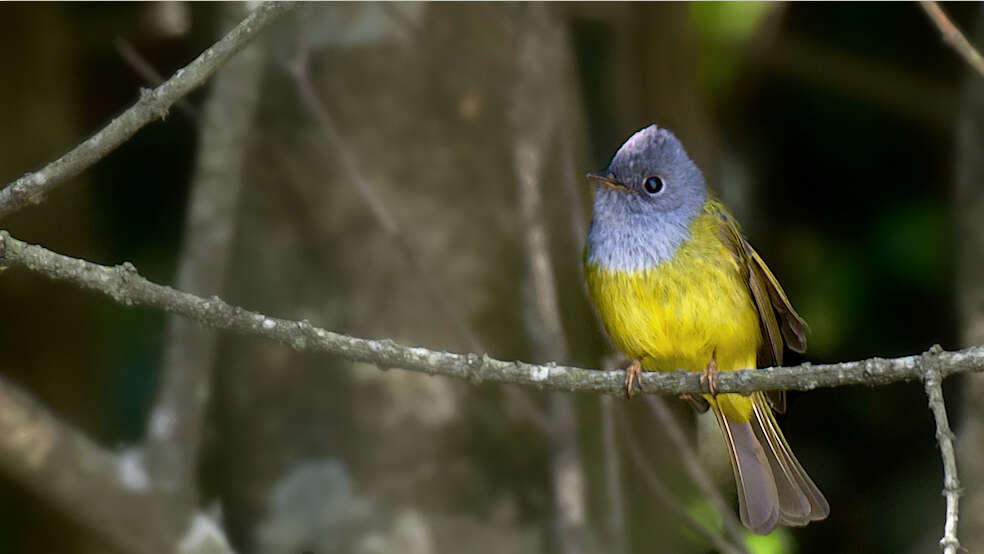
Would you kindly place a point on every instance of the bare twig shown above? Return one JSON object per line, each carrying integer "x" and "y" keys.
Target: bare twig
{"x": 146, "y": 71}
{"x": 136, "y": 508}
{"x": 152, "y": 105}
{"x": 177, "y": 419}
{"x": 667, "y": 498}
{"x": 953, "y": 36}
{"x": 697, "y": 471}
{"x": 944, "y": 436}
{"x": 125, "y": 286}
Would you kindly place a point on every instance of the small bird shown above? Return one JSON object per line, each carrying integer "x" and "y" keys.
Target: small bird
{"x": 677, "y": 286}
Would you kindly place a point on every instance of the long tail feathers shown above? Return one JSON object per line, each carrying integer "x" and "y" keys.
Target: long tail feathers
{"x": 806, "y": 502}
{"x": 773, "y": 488}
{"x": 758, "y": 502}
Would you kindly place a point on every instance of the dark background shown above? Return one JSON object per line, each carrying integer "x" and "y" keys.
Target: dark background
{"x": 829, "y": 128}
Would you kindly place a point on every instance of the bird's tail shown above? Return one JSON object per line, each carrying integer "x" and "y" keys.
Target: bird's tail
{"x": 773, "y": 488}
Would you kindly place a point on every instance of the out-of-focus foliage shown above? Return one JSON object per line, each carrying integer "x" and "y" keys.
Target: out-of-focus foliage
{"x": 723, "y": 29}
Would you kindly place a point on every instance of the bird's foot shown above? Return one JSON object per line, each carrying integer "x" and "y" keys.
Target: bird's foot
{"x": 710, "y": 374}
{"x": 633, "y": 374}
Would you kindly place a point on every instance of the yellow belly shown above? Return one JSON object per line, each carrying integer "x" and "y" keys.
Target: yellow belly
{"x": 674, "y": 315}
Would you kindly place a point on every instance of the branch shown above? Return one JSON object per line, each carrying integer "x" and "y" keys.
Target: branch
{"x": 153, "y": 104}
{"x": 124, "y": 285}
{"x": 953, "y": 36}
{"x": 175, "y": 428}
{"x": 149, "y": 74}
{"x": 951, "y": 485}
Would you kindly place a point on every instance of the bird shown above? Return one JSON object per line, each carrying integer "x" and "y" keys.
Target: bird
{"x": 677, "y": 286}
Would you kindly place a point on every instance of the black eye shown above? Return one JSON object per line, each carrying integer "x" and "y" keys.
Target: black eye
{"x": 653, "y": 184}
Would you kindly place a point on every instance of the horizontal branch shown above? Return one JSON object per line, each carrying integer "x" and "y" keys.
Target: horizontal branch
{"x": 124, "y": 285}
{"x": 153, "y": 104}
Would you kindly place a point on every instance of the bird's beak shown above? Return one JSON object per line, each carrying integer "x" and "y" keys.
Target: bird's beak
{"x": 606, "y": 179}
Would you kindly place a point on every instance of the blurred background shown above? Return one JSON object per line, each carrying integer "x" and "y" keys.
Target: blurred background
{"x": 391, "y": 164}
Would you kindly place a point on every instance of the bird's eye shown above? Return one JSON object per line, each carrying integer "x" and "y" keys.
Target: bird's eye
{"x": 653, "y": 184}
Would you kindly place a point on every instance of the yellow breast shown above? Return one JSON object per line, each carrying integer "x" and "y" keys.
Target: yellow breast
{"x": 675, "y": 314}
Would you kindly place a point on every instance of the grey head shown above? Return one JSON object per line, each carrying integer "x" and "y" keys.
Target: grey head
{"x": 644, "y": 202}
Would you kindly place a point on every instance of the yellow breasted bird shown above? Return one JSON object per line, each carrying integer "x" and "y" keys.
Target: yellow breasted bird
{"x": 677, "y": 286}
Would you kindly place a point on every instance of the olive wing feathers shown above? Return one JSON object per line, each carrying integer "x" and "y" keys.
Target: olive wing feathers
{"x": 779, "y": 322}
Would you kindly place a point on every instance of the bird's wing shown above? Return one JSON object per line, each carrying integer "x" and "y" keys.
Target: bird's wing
{"x": 777, "y": 318}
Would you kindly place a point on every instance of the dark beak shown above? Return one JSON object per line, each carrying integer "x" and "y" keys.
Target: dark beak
{"x": 606, "y": 179}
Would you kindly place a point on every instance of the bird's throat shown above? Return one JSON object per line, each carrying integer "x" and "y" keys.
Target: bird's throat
{"x": 621, "y": 238}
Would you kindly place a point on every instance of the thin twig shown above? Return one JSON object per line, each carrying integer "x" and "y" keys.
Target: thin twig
{"x": 953, "y": 36}
{"x": 153, "y": 104}
{"x": 944, "y": 436}
{"x": 697, "y": 471}
{"x": 125, "y": 286}
{"x": 667, "y": 498}
{"x": 149, "y": 74}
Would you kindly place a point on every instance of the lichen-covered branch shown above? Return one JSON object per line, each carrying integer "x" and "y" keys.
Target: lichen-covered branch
{"x": 944, "y": 436}
{"x": 153, "y": 104}
{"x": 124, "y": 285}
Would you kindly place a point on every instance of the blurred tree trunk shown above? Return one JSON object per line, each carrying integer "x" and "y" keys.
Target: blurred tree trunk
{"x": 317, "y": 454}
{"x": 969, "y": 210}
